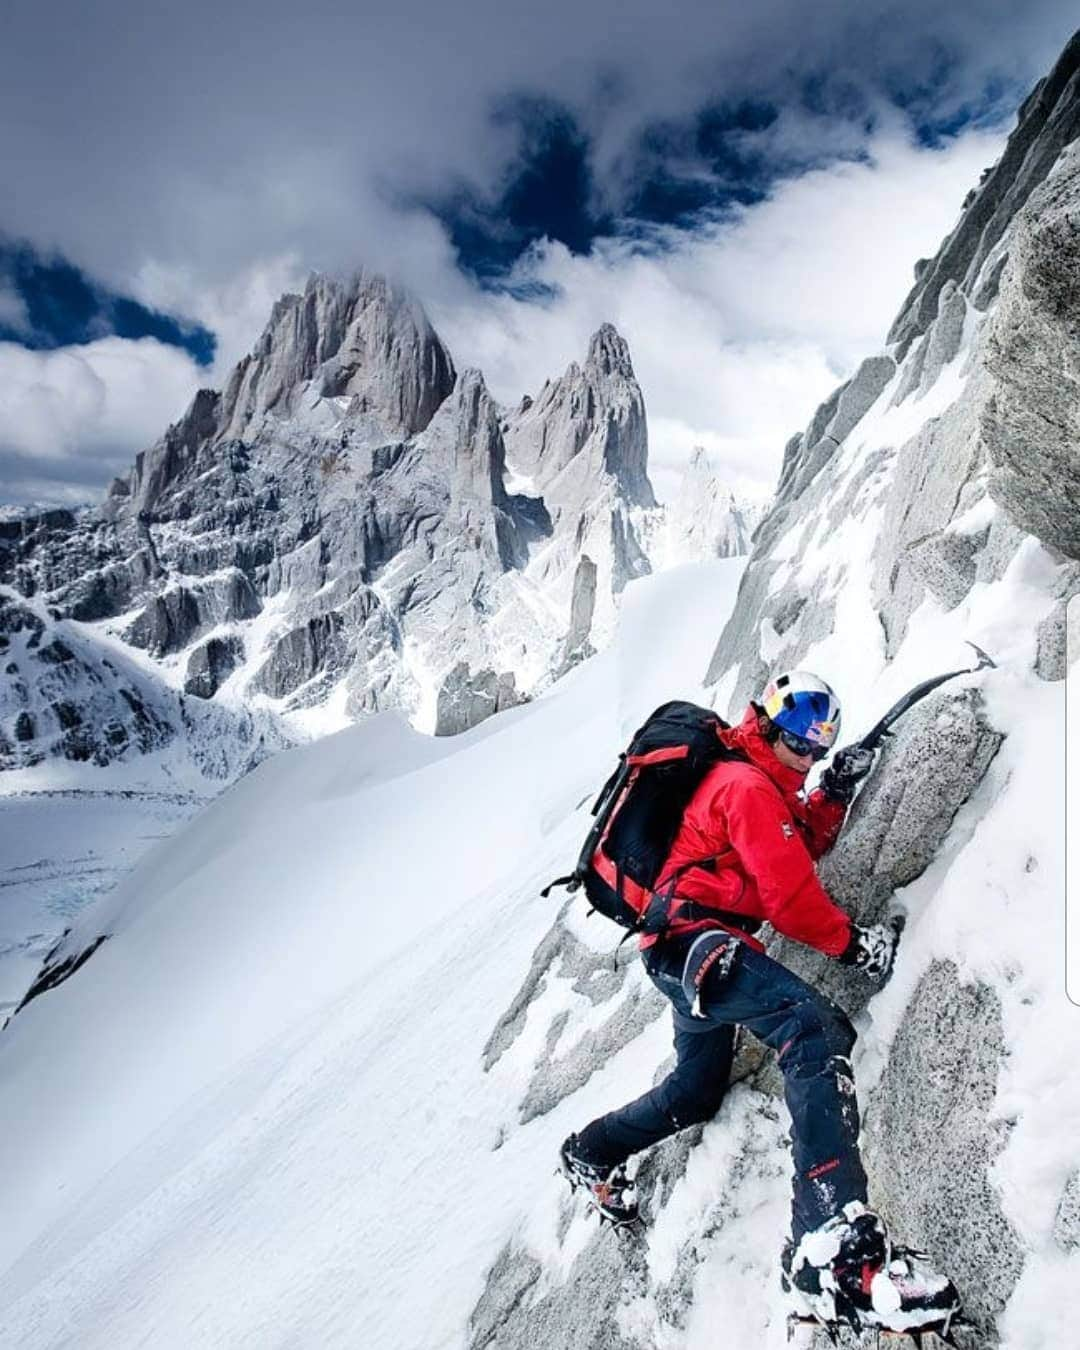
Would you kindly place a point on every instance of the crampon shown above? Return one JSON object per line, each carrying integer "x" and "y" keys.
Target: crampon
{"x": 879, "y": 1338}
{"x": 608, "y": 1189}
{"x": 848, "y": 1274}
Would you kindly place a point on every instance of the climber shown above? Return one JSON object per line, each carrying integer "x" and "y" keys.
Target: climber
{"x": 750, "y": 817}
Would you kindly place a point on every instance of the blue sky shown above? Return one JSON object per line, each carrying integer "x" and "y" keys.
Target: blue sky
{"x": 515, "y": 167}
{"x": 57, "y": 305}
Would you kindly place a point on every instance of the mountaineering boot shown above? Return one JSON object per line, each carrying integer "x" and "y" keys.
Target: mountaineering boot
{"x": 609, "y": 1189}
{"x": 848, "y": 1272}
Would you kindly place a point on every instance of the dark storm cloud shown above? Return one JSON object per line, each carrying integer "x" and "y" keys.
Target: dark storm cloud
{"x": 210, "y": 135}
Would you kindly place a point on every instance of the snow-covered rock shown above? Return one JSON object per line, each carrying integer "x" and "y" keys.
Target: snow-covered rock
{"x": 339, "y": 531}
{"x": 705, "y": 519}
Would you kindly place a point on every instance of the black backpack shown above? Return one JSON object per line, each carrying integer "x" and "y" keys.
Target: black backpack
{"x": 638, "y": 813}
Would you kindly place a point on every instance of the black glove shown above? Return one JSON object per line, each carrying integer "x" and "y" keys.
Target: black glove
{"x": 849, "y": 767}
{"x": 873, "y": 950}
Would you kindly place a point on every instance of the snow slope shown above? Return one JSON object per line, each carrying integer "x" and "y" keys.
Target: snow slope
{"x": 258, "y": 1114}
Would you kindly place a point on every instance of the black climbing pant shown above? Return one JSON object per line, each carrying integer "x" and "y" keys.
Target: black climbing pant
{"x": 811, "y": 1036}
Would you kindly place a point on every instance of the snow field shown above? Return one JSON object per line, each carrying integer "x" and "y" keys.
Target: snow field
{"x": 262, "y": 1115}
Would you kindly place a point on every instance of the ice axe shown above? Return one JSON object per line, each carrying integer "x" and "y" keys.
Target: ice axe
{"x": 877, "y": 733}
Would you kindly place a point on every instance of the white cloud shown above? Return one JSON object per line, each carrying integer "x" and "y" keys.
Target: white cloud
{"x": 736, "y": 333}
{"x": 217, "y": 140}
{"x": 72, "y": 418}
{"x": 235, "y": 310}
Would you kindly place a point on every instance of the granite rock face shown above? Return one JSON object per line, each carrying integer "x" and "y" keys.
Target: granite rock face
{"x": 970, "y": 258}
{"x": 368, "y": 343}
{"x": 590, "y": 421}
{"x": 210, "y": 665}
{"x": 933, "y": 1137}
{"x": 342, "y": 516}
{"x": 1031, "y": 420}
{"x": 465, "y": 698}
{"x": 1009, "y": 433}
{"x": 932, "y": 765}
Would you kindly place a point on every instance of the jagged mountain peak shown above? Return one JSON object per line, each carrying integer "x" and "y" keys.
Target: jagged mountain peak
{"x": 351, "y": 520}
{"x": 586, "y": 425}
{"x": 706, "y": 519}
{"x": 364, "y": 340}
{"x": 609, "y": 352}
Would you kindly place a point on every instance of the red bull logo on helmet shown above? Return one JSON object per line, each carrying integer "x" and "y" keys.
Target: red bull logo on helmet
{"x": 821, "y": 733}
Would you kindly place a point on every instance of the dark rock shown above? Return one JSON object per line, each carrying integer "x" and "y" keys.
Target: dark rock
{"x": 314, "y": 648}
{"x": 110, "y": 590}
{"x": 55, "y": 653}
{"x": 168, "y": 623}
{"x": 67, "y": 715}
{"x": 54, "y": 973}
{"x": 17, "y": 618}
{"x": 25, "y": 728}
{"x": 210, "y": 665}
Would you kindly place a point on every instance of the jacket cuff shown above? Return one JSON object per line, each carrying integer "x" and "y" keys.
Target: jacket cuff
{"x": 850, "y": 955}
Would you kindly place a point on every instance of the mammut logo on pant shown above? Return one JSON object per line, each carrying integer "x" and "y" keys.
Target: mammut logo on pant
{"x": 708, "y": 963}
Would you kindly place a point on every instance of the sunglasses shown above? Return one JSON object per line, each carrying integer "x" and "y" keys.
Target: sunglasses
{"x": 799, "y": 745}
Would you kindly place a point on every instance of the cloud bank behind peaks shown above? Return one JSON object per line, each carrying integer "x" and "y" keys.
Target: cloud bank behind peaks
{"x": 71, "y": 419}
{"x": 740, "y": 328}
{"x": 529, "y": 172}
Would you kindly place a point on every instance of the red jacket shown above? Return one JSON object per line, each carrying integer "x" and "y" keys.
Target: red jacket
{"x": 765, "y": 837}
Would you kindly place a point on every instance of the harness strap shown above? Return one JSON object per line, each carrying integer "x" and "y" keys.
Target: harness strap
{"x": 571, "y": 882}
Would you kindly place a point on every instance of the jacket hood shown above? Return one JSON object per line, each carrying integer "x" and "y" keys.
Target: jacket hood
{"x": 747, "y": 738}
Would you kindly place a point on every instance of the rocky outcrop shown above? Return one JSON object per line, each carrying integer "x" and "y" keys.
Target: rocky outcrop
{"x": 1031, "y": 418}
{"x": 936, "y": 760}
{"x": 705, "y": 519}
{"x": 972, "y": 256}
{"x": 933, "y": 1138}
{"x": 174, "y": 618}
{"x": 467, "y": 698}
{"x": 210, "y": 665}
{"x": 62, "y": 699}
{"x": 586, "y": 425}
{"x": 348, "y": 479}
{"x": 582, "y": 608}
{"x": 807, "y": 455}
